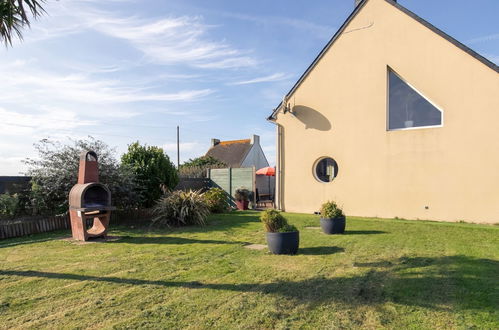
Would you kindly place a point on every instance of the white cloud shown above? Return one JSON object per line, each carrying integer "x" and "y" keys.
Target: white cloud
{"x": 270, "y": 78}
{"x": 171, "y": 40}
{"x": 48, "y": 93}
{"x": 14, "y": 123}
{"x": 82, "y": 88}
{"x": 316, "y": 30}
{"x": 487, "y": 38}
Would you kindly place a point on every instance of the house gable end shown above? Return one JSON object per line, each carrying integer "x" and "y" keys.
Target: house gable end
{"x": 341, "y": 31}
{"x": 255, "y": 157}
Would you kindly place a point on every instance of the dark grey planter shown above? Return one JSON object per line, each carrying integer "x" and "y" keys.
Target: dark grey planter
{"x": 283, "y": 243}
{"x": 333, "y": 225}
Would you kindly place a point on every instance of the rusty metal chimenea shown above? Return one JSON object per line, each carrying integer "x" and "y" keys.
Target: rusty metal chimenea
{"x": 89, "y": 199}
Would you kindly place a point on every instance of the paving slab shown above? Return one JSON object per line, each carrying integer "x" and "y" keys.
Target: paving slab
{"x": 256, "y": 246}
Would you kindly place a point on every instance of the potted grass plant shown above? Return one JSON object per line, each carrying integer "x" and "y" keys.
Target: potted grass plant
{"x": 333, "y": 221}
{"x": 282, "y": 238}
{"x": 242, "y": 196}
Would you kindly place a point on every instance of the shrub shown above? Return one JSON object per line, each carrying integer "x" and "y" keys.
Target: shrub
{"x": 216, "y": 199}
{"x": 331, "y": 210}
{"x": 287, "y": 228}
{"x": 181, "y": 208}
{"x": 9, "y": 204}
{"x": 197, "y": 167}
{"x": 55, "y": 171}
{"x": 242, "y": 194}
{"x": 275, "y": 222}
{"x": 152, "y": 168}
{"x": 192, "y": 172}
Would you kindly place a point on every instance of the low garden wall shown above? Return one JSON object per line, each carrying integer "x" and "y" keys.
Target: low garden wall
{"x": 41, "y": 224}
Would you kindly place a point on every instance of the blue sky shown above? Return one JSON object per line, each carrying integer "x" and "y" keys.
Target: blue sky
{"x": 135, "y": 69}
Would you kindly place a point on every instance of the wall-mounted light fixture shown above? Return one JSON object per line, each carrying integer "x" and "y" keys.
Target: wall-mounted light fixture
{"x": 287, "y": 107}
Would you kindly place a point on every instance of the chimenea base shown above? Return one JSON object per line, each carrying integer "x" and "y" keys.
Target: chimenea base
{"x": 79, "y": 221}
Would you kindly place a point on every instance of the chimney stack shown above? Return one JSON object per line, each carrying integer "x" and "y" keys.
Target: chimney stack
{"x": 255, "y": 139}
{"x": 214, "y": 142}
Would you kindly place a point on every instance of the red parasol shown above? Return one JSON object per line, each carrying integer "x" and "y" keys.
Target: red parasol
{"x": 268, "y": 171}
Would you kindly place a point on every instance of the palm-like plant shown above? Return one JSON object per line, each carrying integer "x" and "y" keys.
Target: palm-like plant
{"x": 14, "y": 17}
{"x": 181, "y": 208}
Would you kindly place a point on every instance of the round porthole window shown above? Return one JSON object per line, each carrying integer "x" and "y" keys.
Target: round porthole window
{"x": 325, "y": 169}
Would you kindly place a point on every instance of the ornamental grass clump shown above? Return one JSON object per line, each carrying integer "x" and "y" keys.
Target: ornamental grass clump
{"x": 275, "y": 222}
{"x": 331, "y": 210}
{"x": 181, "y": 208}
{"x": 217, "y": 200}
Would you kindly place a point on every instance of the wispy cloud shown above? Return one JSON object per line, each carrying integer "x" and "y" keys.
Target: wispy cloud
{"x": 487, "y": 38}
{"x": 317, "y": 30}
{"x": 171, "y": 40}
{"x": 47, "y": 87}
{"x": 270, "y": 78}
{"x": 37, "y": 102}
{"x": 19, "y": 124}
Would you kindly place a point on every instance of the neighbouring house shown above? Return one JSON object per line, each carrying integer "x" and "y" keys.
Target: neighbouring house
{"x": 394, "y": 118}
{"x": 243, "y": 153}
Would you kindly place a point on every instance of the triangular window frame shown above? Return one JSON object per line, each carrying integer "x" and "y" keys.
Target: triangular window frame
{"x": 390, "y": 70}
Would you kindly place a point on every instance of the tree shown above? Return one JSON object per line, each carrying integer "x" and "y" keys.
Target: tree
{"x": 153, "y": 169}
{"x": 204, "y": 161}
{"x": 14, "y": 17}
{"x": 55, "y": 171}
{"x": 196, "y": 168}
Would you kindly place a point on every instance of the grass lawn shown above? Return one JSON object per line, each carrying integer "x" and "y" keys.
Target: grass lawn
{"x": 380, "y": 274}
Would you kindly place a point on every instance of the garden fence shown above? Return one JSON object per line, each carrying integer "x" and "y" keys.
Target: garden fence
{"x": 33, "y": 225}
{"x": 231, "y": 179}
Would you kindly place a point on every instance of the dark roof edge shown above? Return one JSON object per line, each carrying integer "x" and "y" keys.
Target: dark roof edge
{"x": 321, "y": 54}
{"x": 458, "y": 44}
{"x": 444, "y": 35}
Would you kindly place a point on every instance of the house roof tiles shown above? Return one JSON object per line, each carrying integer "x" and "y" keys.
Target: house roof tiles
{"x": 232, "y": 152}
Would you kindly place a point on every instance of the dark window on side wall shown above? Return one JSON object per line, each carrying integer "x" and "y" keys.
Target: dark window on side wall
{"x": 326, "y": 169}
{"x": 407, "y": 108}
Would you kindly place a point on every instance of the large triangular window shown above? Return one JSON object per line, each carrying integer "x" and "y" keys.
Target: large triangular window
{"x": 407, "y": 108}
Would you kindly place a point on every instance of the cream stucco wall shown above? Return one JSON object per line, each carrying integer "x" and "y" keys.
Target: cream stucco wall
{"x": 341, "y": 111}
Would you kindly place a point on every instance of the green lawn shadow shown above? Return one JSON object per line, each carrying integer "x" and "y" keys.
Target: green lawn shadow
{"x": 170, "y": 240}
{"x": 461, "y": 282}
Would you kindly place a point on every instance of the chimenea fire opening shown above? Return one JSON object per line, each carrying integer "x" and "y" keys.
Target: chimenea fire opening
{"x": 89, "y": 199}
{"x": 90, "y": 196}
